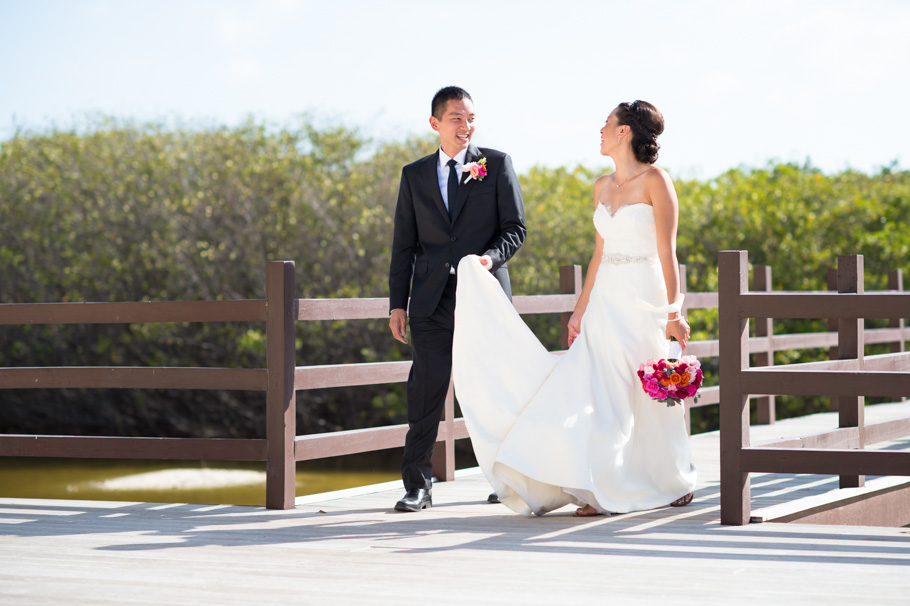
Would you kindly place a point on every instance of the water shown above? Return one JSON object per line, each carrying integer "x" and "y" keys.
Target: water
{"x": 228, "y": 483}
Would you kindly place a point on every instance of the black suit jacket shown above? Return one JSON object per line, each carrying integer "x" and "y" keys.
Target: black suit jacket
{"x": 487, "y": 219}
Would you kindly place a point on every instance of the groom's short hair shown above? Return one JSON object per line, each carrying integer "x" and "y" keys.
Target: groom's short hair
{"x": 442, "y": 98}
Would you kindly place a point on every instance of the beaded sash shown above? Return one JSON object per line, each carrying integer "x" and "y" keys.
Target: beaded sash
{"x": 624, "y": 259}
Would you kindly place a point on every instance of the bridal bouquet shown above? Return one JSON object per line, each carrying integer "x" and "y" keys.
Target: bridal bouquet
{"x": 671, "y": 380}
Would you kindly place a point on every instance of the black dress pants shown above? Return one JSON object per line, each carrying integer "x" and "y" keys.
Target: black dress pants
{"x": 428, "y": 383}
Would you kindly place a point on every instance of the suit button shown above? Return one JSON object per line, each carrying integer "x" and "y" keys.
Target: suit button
{"x": 447, "y": 265}
{"x": 454, "y": 238}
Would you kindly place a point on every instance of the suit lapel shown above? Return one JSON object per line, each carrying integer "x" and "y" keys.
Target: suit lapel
{"x": 465, "y": 188}
{"x": 431, "y": 180}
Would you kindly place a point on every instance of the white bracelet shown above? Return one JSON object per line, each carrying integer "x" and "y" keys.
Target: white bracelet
{"x": 677, "y": 319}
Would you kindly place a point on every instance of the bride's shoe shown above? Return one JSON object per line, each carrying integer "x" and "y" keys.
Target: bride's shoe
{"x": 684, "y": 500}
{"x": 586, "y": 512}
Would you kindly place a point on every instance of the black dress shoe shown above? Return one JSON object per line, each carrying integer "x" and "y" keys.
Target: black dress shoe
{"x": 415, "y": 500}
{"x": 493, "y": 498}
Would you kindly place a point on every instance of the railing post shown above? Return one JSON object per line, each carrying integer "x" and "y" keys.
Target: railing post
{"x": 685, "y": 308}
{"x": 281, "y": 427}
{"x": 444, "y": 450}
{"x": 764, "y": 327}
{"x": 831, "y": 280}
{"x": 735, "y": 488}
{"x": 896, "y": 282}
{"x": 850, "y": 345}
{"x": 569, "y": 284}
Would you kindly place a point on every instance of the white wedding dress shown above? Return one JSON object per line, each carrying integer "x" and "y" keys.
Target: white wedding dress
{"x": 553, "y": 429}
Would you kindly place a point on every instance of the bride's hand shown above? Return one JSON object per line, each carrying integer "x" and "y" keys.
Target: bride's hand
{"x": 680, "y": 330}
{"x": 486, "y": 262}
{"x": 574, "y": 327}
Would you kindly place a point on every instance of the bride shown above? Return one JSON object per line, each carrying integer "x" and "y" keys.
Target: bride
{"x": 551, "y": 429}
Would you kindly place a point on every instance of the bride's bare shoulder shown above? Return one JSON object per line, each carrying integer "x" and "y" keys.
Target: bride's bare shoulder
{"x": 657, "y": 179}
{"x": 657, "y": 174}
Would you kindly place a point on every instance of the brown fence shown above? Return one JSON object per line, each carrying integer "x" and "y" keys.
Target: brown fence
{"x": 764, "y": 342}
{"x": 280, "y": 380}
{"x": 846, "y": 379}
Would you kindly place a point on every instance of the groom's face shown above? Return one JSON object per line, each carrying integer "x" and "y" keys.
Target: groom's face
{"x": 456, "y": 126}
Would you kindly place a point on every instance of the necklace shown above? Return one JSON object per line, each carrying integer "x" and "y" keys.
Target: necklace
{"x": 618, "y": 185}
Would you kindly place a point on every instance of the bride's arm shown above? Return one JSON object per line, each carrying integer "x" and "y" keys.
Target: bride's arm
{"x": 582, "y": 304}
{"x": 666, "y": 216}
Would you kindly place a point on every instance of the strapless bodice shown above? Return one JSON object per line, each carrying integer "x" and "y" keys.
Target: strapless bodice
{"x": 631, "y": 231}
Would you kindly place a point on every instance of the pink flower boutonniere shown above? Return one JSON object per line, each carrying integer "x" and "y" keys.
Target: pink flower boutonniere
{"x": 475, "y": 170}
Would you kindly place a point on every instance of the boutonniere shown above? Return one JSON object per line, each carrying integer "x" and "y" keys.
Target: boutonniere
{"x": 476, "y": 170}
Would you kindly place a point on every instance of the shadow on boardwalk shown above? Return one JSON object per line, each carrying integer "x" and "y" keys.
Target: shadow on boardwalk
{"x": 353, "y": 549}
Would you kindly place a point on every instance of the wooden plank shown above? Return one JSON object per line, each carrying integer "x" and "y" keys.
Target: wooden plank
{"x": 443, "y": 459}
{"x": 824, "y": 383}
{"x": 701, "y": 300}
{"x": 825, "y": 305}
{"x": 826, "y": 461}
{"x": 703, "y": 349}
{"x": 339, "y": 443}
{"x": 707, "y": 397}
{"x": 340, "y": 375}
{"x": 850, "y": 346}
{"x": 123, "y": 377}
{"x": 364, "y": 309}
{"x": 804, "y": 340}
{"x": 77, "y": 447}
{"x": 710, "y": 348}
{"x": 820, "y": 365}
{"x": 735, "y": 497}
{"x": 249, "y": 310}
{"x": 899, "y": 362}
{"x": 888, "y": 507}
{"x": 885, "y": 431}
{"x": 764, "y": 327}
{"x": 884, "y": 335}
{"x": 544, "y": 304}
{"x": 896, "y": 283}
{"x": 843, "y": 438}
{"x": 342, "y": 309}
{"x": 848, "y": 437}
{"x": 281, "y": 399}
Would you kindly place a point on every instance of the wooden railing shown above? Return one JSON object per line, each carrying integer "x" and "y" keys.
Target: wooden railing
{"x": 765, "y": 343}
{"x": 280, "y": 380}
{"x": 847, "y": 379}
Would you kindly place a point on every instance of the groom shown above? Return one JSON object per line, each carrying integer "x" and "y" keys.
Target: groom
{"x": 458, "y": 201}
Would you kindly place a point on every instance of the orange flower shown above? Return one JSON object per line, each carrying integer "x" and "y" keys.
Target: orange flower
{"x": 684, "y": 379}
{"x": 676, "y": 378}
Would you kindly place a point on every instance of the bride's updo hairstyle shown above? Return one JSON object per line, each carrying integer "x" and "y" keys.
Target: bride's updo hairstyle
{"x": 646, "y": 123}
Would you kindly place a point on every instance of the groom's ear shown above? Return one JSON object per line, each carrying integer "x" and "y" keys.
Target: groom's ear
{"x": 434, "y": 123}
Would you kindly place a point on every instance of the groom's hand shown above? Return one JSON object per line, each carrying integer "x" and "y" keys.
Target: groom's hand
{"x": 397, "y": 325}
{"x": 486, "y": 262}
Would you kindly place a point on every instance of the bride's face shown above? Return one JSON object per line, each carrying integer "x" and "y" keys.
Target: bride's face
{"x": 610, "y": 132}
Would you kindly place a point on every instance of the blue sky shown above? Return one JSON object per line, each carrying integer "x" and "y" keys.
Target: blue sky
{"x": 739, "y": 83}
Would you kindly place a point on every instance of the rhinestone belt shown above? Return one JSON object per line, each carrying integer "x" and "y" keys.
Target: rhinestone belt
{"x": 624, "y": 259}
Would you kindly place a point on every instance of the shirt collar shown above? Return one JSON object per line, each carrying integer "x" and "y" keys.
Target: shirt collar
{"x": 459, "y": 157}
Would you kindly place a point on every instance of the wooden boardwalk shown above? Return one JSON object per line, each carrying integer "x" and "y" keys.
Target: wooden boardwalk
{"x": 349, "y": 547}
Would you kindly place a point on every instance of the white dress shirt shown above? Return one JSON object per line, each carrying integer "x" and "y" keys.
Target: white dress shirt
{"x": 442, "y": 172}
